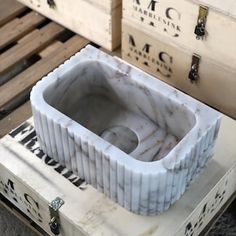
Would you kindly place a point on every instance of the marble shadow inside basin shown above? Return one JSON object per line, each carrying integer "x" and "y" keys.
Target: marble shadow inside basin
{"x": 137, "y": 119}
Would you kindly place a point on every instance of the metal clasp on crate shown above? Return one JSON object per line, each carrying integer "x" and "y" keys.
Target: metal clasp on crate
{"x": 54, "y": 207}
{"x": 193, "y": 73}
{"x": 51, "y": 3}
{"x": 200, "y": 29}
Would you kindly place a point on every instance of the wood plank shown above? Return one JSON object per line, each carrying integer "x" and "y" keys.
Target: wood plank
{"x": 9, "y": 9}
{"x": 18, "y": 27}
{"x": 22, "y": 83}
{"x": 15, "y": 118}
{"x": 45, "y": 52}
{"x": 22, "y": 65}
{"x": 35, "y": 41}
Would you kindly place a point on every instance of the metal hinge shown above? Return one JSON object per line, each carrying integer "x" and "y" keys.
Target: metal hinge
{"x": 200, "y": 29}
{"x": 193, "y": 73}
{"x": 54, "y": 207}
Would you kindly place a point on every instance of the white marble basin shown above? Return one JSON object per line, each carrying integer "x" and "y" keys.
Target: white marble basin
{"x": 131, "y": 136}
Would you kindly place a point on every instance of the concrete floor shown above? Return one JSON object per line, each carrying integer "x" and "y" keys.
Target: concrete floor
{"x": 226, "y": 225}
{"x": 11, "y": 226}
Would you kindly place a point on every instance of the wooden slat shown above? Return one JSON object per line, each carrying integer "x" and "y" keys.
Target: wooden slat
{"x": 9, "y": 9}
{"x": 18, "y": 27}
{"x": 22, "y": 65}
{"x": 45, "y": 52}
{"x": 14, "y": 119}
{"x": 22, "y": 83}
{"x": 36, "y": 40}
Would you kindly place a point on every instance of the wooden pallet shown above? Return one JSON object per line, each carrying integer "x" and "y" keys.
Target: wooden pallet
{"x": 30, "y": 47}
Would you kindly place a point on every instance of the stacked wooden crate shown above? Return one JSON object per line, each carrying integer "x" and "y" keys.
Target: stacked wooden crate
{"x": 190, "y": 44}
{"x": 98, "y": 21}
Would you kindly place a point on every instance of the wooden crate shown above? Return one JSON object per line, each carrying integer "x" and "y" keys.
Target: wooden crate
{"x": 99, "y": 21}
{"x": 30, "y": 47}
{"x": 31, "y": 180}
{"x": 177, "y": 20}
{"x": 216, "y": 85}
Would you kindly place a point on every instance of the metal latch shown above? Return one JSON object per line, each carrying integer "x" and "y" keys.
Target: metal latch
{"x": 200, "y": 29}
{"x": 193, "y": 73}
{"x": 51, "y": 4}
{"x": 54, "y": 207}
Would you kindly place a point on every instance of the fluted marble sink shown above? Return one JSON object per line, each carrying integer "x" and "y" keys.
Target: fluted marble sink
{"x": 131, "y": 136}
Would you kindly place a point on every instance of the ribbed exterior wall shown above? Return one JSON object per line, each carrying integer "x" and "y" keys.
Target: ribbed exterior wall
{"x": 140, "y": 193}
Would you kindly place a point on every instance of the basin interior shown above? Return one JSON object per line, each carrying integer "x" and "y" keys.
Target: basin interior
{"x": 139, "y": 120}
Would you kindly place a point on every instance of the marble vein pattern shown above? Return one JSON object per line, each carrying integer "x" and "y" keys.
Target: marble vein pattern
{"x": 136, "y": 139}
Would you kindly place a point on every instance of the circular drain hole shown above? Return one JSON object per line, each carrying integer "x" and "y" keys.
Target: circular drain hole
{"x": 121, "y": 137}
